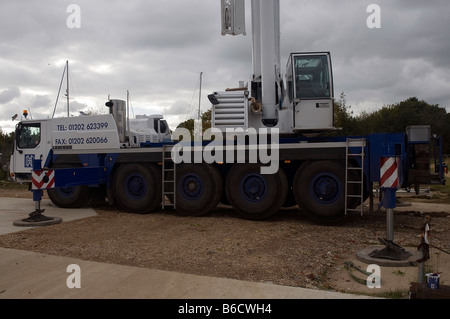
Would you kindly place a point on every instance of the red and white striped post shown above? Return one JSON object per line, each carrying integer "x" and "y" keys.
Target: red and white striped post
{"x": 43, "y": 179}
{"x": 389, "y": 177}
{"x": 389, "y": 183}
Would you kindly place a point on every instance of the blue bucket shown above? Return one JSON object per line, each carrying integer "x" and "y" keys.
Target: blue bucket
{"x": 433, "y": 281}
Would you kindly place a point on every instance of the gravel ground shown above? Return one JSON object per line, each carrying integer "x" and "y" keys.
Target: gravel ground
{"x": 289, "y": 249}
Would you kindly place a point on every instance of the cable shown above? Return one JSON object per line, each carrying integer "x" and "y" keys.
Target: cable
{"x": 349, "y": 265}
{"x": 192, "y": 100}
{"x": 59, "y": 91}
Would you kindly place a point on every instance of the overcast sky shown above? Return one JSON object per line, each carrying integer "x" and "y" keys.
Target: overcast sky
{"x": 157, "y": 49}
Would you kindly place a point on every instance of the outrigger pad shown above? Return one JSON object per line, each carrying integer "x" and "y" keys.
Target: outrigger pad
{"x": 37, "y": 219}
{"x": 37, "y": 213}
{"x": 392, "y": 251}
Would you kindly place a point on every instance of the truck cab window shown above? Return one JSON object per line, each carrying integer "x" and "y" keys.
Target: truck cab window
{"x": 163, "y": 126}
{"x": 28, "y": 135}
{"x": 160, "y": 126}
{"x": 312, "y": 77}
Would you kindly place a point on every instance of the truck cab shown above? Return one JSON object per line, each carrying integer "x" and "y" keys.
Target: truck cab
{"x": 42, "y": 139}
{"x": 30, "y": 144}
{"x": 106, "y": 133}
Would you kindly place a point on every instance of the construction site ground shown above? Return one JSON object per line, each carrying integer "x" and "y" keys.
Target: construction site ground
{"x": 288, "y": 250}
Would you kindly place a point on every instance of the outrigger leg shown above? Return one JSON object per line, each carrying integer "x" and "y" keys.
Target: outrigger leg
{"x": 392, "y": 250}
{"x": 36, "y": 218}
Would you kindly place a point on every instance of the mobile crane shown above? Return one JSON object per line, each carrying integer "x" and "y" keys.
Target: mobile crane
{"x": 133, "y": 162}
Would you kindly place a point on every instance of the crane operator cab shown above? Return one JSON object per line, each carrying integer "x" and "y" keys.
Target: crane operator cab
{"x": 309, "y": 82}
{"x": 300, "y": 103}
{"x": 305, "y": 103}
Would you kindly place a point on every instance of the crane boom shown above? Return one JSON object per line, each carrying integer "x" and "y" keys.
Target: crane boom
{"x": 266, "y": 48}
{"x": 305, "y": 105}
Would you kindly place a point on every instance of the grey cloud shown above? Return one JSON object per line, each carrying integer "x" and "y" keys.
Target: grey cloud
{"x": 156, "y": 49}
{"x": 76, "y": 107}
{"x": 41, "y": 101}
{"x": 8, "y": 95}
{"x": 178, "y": 108}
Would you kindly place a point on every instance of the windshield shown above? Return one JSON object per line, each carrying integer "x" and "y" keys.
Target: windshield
{"x": 28, "y": 135}
{"x": 312, "y": 77}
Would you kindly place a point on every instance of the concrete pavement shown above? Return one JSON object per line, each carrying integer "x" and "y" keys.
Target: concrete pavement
{"x": 29, "y": 275}
{"x": 13, "y": 209}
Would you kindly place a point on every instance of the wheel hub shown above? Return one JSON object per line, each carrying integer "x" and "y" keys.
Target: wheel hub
{"x": 135, "y": 186}
{"x": 253, "y": 187}
{"x": 325, "y": 189}
{"x": 191, "y": 187}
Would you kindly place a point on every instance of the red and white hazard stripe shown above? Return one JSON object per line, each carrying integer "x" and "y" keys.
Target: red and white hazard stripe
{"x": 389, "y": 172}
{"x": 43, "y": 179}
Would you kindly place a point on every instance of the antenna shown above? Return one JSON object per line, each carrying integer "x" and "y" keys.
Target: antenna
{"x": 65, "y": 72}
{"x": 59, "y": 91}
{"x": 200, "y": 96}
{"x": 67, "y": 90}
{"x": 128, "y": 117}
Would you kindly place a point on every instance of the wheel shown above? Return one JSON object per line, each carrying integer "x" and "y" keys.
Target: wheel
{"x": 69, "y": 197}
{"x": 253, "y": 195}
{"x": 137, "y": 188}
{"x": 199, "y": 189}
{"x": 319, "y": 189}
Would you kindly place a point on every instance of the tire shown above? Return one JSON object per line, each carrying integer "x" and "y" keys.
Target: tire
{"x": 253, "y": 195}
{"x": 199, "y": 189}
{"x": 137, "y": 188}
{"x": 319, "y": 189}
{"x": 69, "y": 197}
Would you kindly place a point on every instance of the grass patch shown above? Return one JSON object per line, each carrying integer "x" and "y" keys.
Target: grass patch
{"x": 398, "y": 273}
{"x": 5, "y": 184}
{"x": 393, "y": 294}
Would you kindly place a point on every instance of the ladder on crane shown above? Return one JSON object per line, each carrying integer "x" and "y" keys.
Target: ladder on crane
{"x": 352, "y": 179}
{"x": 169, "y": 173}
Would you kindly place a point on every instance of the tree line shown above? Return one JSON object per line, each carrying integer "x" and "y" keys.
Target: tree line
{"x": 6, "y": 144}
{"x": 394, "y": 118}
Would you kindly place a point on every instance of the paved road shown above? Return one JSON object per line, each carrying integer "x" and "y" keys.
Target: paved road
{"x": 25, "y": 274}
